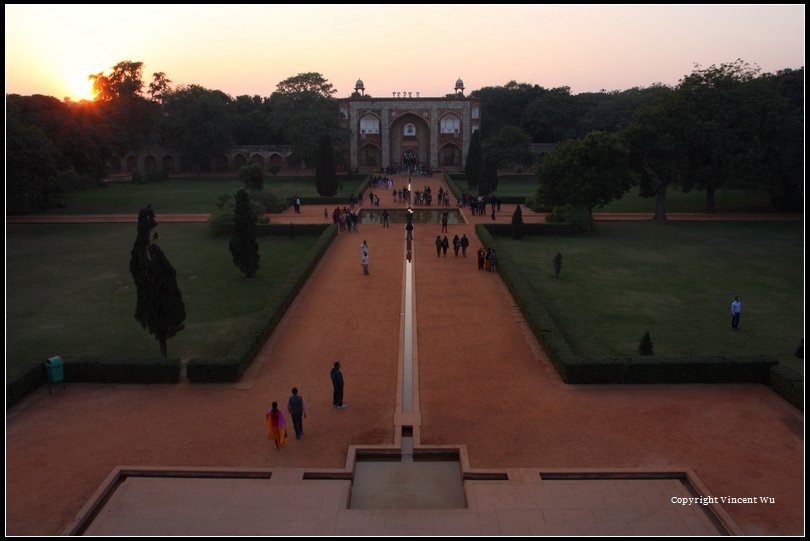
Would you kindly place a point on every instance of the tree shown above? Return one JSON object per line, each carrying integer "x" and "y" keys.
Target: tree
{"x": 488, "y": 178}
{"x": 303, "y": 109}
{"x": 306, "y": 83}
{"x": 252, "y": 176}
{"x": 133, "y": 118}
{"x": 125, "y": 82}
{"x": 586, "y": 172}
{"x": 472, "y": 168}
{"x": 244, "y": 248}
{"x": 716, "y": 110}
{"x": 656, "y": 150}
{"x": 159, "y": 87}
{"x": 159, "y": 306}
{"x": 517, "y": 223}
{"x": 550, "y": 115}
{"x": 509, "y": 147}
{"x": 645, "y": 346}
{"x": 199, "y": 121}
{"x": 557, "y": 264}
{"x": 781, "y": 132}
{"x": 325, "y": 175}
{"x": 31, "y": 165}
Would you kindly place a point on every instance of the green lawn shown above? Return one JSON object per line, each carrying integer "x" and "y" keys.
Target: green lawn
{"x": 69, "y": 290}
{"x": 180, "y": 194}
{"x": 677, "y": 281}
{"x": 677, "y": 201}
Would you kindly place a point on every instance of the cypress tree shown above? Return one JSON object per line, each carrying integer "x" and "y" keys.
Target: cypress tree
{"x": 159, "y": 307}
{"x": 326, "y": 181}
{"x": 472, "y": 168}
{"x": 517, "y": 223}
{"x": 645, "y": 347}
{"x": 244, "y": 248}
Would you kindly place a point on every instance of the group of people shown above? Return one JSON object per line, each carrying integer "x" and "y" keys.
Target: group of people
{"x": 345, "y": 218}
{"x": 442, "y": 245}
{"x": 487, "y": 259}
{"x": 277, "y": 425}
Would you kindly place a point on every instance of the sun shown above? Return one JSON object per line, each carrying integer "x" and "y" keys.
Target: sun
{"x": 80, "y": 88}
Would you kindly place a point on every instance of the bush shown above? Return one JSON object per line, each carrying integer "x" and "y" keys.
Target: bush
{"x": 789, "y": 384}
{"x": 579, "y": 216}
{"x": 517, "y": 223}
{"x": 84, "y": 369}
{"x": 671, "y": 369}
{"x": 645, "y": 346}
{"x": 274, "y": 169}
{"x": 252, "y": 176}
{"x": 156, "y": 175}
{"x": 268, "y": 202}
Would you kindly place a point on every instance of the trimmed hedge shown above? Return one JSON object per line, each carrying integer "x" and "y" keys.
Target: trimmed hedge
{"x": 542, "y": 228}
{"x": 121, "y": 370}
{"x": 451, "y": 183}
{"x": 19, "y": 388}
{"x": 230, "y": 368}
{"x": 278, "y": 229}
{"x": 659, "y": 369}
{"x": 789, "y": 384}
{"x": 85, "y": 369}
{"x": 652, "y": 369}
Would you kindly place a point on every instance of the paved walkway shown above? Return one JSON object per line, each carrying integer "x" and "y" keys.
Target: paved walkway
{"x": 483, "y": 383}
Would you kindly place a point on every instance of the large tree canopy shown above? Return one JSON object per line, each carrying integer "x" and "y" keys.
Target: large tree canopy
{"x": 586, "y": 173}
{"x": 198, "y": 120}
{"x": 304, "y": 109}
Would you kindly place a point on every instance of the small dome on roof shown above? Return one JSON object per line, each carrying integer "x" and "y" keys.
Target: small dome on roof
{"x": 459, "y": 83}
{"x": 359, "y": 84}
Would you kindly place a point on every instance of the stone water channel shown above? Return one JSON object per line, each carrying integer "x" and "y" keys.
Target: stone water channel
{"x": 407, "y": 480}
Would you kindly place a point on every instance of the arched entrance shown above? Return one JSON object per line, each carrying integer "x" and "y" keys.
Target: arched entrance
{"x": 410, "y": 140}
{"x": 370, "y": 156}
{"x": 450, "y": 156}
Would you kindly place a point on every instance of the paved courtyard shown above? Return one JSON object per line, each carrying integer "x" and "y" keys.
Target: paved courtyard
{"x": 482, "y": 384}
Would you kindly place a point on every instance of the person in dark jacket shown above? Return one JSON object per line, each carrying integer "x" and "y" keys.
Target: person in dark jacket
{"x": 337, "y": 386}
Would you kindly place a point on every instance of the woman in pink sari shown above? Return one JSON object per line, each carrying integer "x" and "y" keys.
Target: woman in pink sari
{"x": 276, "y": 427}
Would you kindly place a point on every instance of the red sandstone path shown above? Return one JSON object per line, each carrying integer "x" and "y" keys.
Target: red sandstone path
{"x": 482, "y": 383}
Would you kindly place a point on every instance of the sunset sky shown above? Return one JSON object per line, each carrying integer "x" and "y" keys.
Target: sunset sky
{"x": 245, "y": 49}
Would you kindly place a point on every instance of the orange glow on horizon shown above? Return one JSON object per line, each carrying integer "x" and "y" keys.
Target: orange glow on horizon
{"x": 81, "y": 88}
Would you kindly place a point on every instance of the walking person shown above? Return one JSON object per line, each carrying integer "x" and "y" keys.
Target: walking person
{"x": 409, "y": 231}
{"x": 364, "y": 263}
{"x": 481, "y": 256}
{"x": 465, "y": 242}
{"x": 297, "y": 410}
{"x": 276, "y": 426}
{"x": 456, "y": 244}
{"x": 493, "y": 261}
{"x": 438, "y": 245}
{"x": 445, "y": 245}
{"x": 444, "y": 221}
{"x": 337, "y": 386}
{"x": 385, "y": 216}
{"x": 735, "y": 313}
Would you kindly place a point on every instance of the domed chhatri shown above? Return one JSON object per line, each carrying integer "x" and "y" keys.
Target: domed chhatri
{"x": 459, "y": 86}
{"x": 359, "y": 86}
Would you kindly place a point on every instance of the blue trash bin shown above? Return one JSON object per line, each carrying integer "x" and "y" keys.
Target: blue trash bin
{"x": 56, "y": 370}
